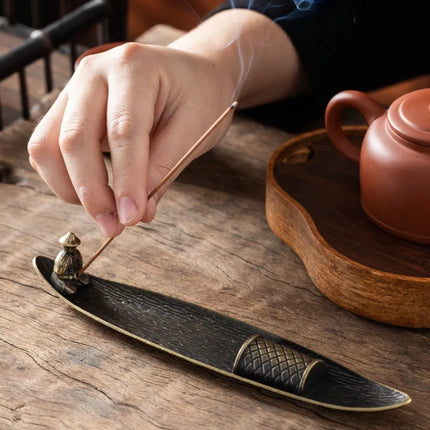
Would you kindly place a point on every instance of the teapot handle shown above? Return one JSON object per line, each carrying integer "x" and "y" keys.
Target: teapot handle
{"x": 358, "y": 100}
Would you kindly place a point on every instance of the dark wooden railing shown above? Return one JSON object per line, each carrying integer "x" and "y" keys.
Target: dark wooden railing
{"x": 109, "y": 16}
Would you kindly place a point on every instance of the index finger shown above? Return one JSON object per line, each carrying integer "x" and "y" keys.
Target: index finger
{"x": 82, "y": 129}
{"x": 130, "y": 118}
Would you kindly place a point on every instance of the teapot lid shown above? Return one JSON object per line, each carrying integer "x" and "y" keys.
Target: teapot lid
{"x": 409, "y": 116}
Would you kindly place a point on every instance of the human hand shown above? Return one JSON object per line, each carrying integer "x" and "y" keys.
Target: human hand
{"x": 146, "y": 105}
{"x": 149, "y": 104}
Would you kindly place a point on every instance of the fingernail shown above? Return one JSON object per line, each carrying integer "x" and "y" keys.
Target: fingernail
{"x": 127, "y": 210}
{"x": 107, "y": 223}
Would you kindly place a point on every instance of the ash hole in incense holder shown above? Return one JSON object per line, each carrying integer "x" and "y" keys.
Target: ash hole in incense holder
{"x": 68, "y": 263}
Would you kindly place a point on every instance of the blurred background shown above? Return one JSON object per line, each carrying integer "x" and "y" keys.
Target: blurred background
{"x": 141, "y": 14}
{"x": 33, "y": 63}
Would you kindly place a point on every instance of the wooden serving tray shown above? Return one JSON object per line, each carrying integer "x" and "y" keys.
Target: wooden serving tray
{"x": 313, "y": 204}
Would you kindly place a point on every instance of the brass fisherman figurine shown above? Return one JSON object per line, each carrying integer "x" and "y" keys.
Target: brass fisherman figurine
{"x": 67, "y": 265}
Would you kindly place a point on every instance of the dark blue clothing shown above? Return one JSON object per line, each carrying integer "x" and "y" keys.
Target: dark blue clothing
{"x": 352, "y": 44}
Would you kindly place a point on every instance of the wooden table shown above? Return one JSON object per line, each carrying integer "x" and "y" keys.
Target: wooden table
{"x": 210, "y": 245}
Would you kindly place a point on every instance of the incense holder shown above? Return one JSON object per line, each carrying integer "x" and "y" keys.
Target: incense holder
{"x": 66, "y": 274}
{"x": 225, "y": 345}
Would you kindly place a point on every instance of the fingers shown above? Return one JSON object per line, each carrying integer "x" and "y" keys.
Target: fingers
{"x": 102, "y": 106}
{"x": 130, "y": 117}
{"x": 82, "y": 130}
{"x": 118, "y": 100}
{"x": 45, "y": 154}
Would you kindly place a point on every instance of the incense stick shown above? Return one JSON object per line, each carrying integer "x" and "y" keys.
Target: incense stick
{"x": 172, "y": 171}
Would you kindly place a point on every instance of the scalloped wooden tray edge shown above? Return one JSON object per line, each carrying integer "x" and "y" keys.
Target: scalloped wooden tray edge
{"x": 381, "y": 296}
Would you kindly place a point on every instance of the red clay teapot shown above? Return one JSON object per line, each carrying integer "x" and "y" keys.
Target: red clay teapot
{"x": 394, "y": 160}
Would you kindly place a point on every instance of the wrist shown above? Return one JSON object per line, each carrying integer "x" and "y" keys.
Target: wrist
{"x": 217, "y": 63}
{"x": 252, "y": 55}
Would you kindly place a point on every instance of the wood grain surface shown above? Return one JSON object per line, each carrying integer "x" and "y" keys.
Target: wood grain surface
{"x": 210, "y": 245}
{"x": 313, "y": 204}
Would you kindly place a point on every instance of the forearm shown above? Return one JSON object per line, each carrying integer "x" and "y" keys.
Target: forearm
{"x": 251, "y": 52}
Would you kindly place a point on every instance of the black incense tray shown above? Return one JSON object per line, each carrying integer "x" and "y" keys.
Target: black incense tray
{"x": 226, "y": 345}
